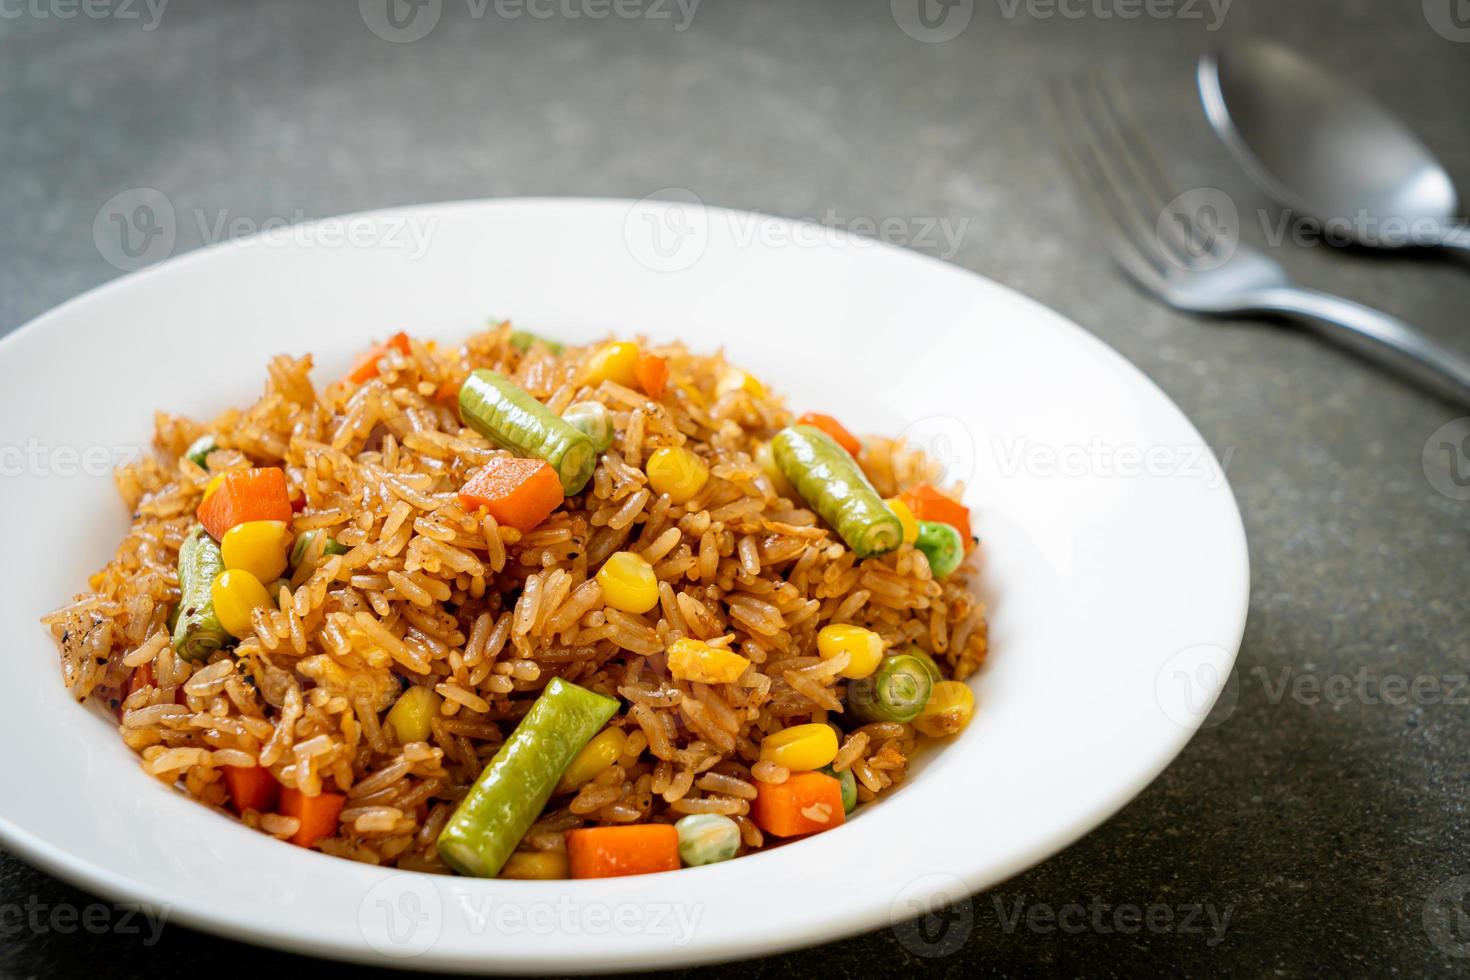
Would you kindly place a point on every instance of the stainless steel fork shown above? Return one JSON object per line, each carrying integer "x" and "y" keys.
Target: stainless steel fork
{"x": 1182, "y": 248}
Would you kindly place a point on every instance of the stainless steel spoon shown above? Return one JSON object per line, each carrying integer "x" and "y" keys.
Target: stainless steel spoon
{"x": 1321, "y": 147}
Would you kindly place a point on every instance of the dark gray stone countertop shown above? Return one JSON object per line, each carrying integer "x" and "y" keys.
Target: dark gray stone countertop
{"x": 1324, "y": 817}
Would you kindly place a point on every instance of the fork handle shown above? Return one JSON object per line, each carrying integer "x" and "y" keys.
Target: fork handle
{"x": 1385, "y": 338}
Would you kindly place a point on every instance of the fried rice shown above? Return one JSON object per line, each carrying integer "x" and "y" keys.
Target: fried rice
{"x": 428, "y": 594}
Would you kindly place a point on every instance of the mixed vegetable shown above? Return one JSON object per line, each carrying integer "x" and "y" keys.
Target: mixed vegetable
{"x": 512, "y": 791}
{"x": 234, "y": 560}
{"x": 832, "y": 483}
{"x": 897, "y": 691}
{"x": 507, "y": 415}
{"x": 198, "y": 632}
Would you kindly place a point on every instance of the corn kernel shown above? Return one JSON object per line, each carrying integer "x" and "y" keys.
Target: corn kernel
{"x": 236, "y": 593}
{"x": 735, "y": 379}
{"x": 692, "y": 660}
{"x": 906, "y": 519}
{"x": 411, "y": 714}
{"x": 258, "y": 547}
{"x": 950, "y": 708}
{"x": 696, "y": 397}
{"x": 604, "y": 749}
{"x": 800, "y": 748}
{"x": 766, "y": 460}
{"x": 628, "y": 582}
{"x": 677, "y": 472}
{"x": 864, "y": 649}
{"x": 537, "y": 866}
{"x": 213, "y": 485}
{"x": 614, "y": 362}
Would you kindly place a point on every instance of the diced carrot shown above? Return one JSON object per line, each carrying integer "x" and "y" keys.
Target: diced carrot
{"x": 448, "y": 391}
{"x": 246, "y": 495}
{"x": 520, "y": 493}
{"x": 833, "y": 428}
{"x": 930, "y": 504}
{"x": 636, "y": 849}
{"x": 317, "y": 814}
{"x": 805, "y": 803}
{"x": 366, "y": 366}
{"x": 142, "y": 677}
{"x": 251, "y": 788}
{"x": 652, "y": 373}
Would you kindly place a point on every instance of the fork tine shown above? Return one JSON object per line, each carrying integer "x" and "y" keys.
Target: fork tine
{"x": 1133, "y": 145}
{"x": 1087, "y": 165}
{"x": 1187, "y": 248}
{"x": 1135, "y": 184}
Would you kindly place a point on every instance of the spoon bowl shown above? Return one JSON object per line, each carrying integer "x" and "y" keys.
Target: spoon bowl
{"x": 1322, "y": 147}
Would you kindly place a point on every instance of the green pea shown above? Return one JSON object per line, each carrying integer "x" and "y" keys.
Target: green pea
{"x": 594, "y": 420}
{"x": 523, "y": 340}
{"x": 942, "y": 545}
{"x": 706, "y": 838}
{"x": 304, "y": 549}
{"x": 849, "y": 786}
{"x": 199, "y": 450}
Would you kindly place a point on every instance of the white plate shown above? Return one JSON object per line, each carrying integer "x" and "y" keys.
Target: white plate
{"x": 1115, "y": 559}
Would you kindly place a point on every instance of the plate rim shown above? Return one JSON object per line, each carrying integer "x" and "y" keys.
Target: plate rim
{"x": 118, "y": 887}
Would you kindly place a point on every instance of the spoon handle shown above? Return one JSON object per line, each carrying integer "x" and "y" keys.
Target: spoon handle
{"x": 1386, "y": 339}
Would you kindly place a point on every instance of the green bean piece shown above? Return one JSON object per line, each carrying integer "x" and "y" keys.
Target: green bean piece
{"x": 523, "y": 340}
{"x": 304, "y": 550}
{"x": 707, "y": 838}
{"x": 942, "y": 545}
{"x": 832, "y": 484}
{"x": 896, "y": 691}
{"x": 198, "y": 632}
{"x": 510, "y": 417}
{"x": 849, "y": 786}
{"x": 512, "y": 791}
{"x": 929, "y": 664}
{"x": 199, "y": 450}
{"x": 595, "y": 420}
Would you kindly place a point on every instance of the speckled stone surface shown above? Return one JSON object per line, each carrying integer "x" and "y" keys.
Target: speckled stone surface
{"x": 1328, "y": 823}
